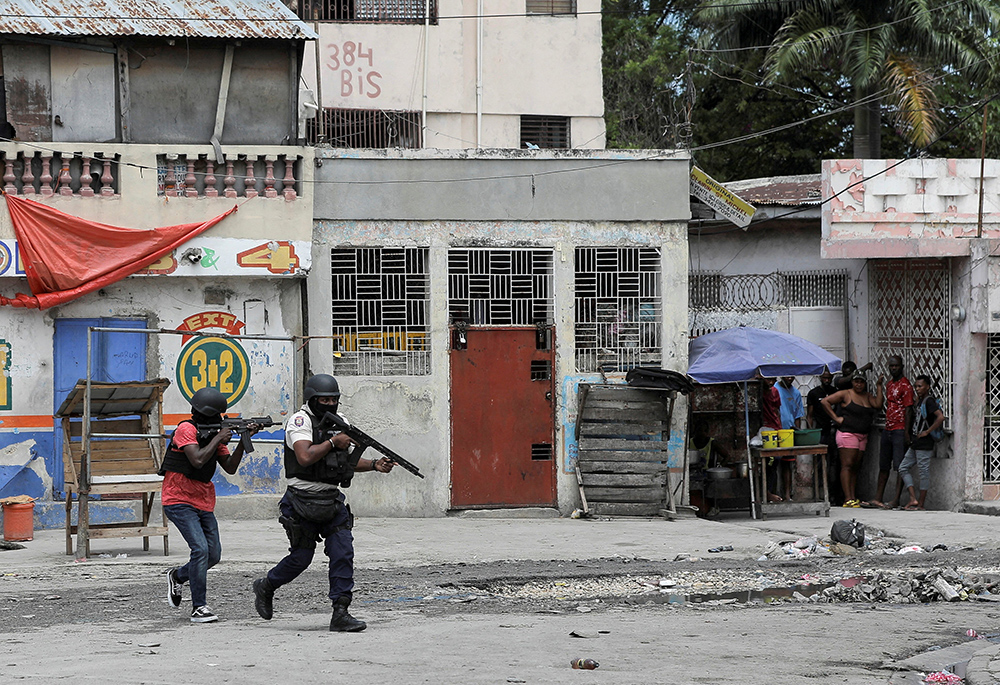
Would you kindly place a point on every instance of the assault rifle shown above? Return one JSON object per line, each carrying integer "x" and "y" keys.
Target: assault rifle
{"x": 364, "y": 441}
{"x": 240, "y": 426}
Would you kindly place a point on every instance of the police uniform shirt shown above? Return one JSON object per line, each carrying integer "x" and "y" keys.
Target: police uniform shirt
{"x": 300, "y": 427}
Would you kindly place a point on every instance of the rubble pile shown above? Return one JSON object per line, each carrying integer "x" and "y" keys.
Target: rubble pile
{"x": 917, "y": 587}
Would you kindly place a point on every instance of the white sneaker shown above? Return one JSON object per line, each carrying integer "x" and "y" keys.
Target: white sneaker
{"x": 173, "y": 589}
{"x": 203, "y": 614}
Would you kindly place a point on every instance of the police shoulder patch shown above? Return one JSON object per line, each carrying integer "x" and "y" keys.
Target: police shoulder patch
{"x": 299, "y": 421}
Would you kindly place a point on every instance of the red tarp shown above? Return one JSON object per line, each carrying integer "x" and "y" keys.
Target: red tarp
{"x": 65, "y": 256}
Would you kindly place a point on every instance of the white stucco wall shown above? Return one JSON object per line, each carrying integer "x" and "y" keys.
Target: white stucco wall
{"x": 535, "y": 64}
{"x": 412, "y": 413}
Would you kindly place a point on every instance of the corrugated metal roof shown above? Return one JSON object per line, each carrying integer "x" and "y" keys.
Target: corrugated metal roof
{"x": 784, "y": 191}
{"x": 169, "y": 18}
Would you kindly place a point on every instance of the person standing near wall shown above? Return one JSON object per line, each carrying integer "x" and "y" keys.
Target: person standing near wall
{"x": 188, "y": 494}
{"x": 816, "y": 417}
{"x": 928, "y": 418}
{"x": 854, "y": 418}
{"x": 896, "y": 435}
{"x": 770, "y": 409}
{"x": 792, "y": 413}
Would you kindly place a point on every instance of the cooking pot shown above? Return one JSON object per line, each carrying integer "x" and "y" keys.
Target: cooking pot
{"x": 719, "y": 473}
{"x": 740, "y": 470}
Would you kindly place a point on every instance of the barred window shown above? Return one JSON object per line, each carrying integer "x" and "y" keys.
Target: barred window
{"x": 500, "y": 287}
{"x": 618, "y": 308}
{"x": 550, "y": 6}
{"x": 365, "y": 128}
{"x": 380, "y": 299}
{"x": 374, "y": 11}
{"x": 544, "y": 131}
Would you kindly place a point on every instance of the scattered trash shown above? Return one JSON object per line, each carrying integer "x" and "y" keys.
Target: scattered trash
{"x": 149, "y": 644}
{"x": 665, "y": 582}
{"x": 683, "y": 556}
{"x": 51, "y": 597}
{"x": 911, "y": 550}
{"x": 104, "y": 555}
{"x": 584, "y": 610}
{"x": 939, "y": 546}
{"x": 848, "y": 532}
{"x": 724, "y": 548}
{"x": 10, "y": 545}
{"x": 943, "y": 677}
{"x": 577, "y": 633}
{"x": 578, "y": 514}
{"x": 585, "y": 664}
{"x": 122, "y": 556}
{"x": 971, "y": 632}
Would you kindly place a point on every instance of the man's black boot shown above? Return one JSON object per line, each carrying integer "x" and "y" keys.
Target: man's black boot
{"x": 343, "y": 622}
{"x": 263, "y": 598}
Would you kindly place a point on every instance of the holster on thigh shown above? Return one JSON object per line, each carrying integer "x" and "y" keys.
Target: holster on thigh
{"x": 298, "y": 538}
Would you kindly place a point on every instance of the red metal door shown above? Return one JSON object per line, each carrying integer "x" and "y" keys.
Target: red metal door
{"x": 502, "y": 419}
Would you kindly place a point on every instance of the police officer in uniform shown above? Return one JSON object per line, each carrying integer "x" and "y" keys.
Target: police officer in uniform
{"x": 318, "y": 463}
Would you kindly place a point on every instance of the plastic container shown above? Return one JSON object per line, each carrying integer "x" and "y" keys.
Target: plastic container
{"x": 585, "y": 664}
{"x": 769, "y": 438}
{"x": 786, "y": 437}
{"x": 808, "y": 436}
{"x": 19, "y": 522}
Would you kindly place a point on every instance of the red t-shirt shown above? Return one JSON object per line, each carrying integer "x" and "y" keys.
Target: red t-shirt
{"x": 178, "y": 488}
{"x": 898, "y": 396}
{"x": 771, "y": 409}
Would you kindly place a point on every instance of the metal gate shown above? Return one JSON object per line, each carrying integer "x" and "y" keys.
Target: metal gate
{"x": 908, "y": 309}
{"x": 991, "y": 418}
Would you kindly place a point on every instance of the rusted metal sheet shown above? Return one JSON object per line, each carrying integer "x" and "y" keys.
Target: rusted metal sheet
{"x": 502, "y": 420}
{"x": 269, "y": 19}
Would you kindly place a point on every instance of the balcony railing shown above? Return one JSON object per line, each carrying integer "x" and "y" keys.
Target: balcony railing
{"x": 48, "y": 173}
{"x": 241, "y": 176}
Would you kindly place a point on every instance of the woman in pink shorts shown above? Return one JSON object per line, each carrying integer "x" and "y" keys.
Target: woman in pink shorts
{"x": 856, "y": 409}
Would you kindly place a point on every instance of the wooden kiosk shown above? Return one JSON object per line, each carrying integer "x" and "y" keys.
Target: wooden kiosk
{"x": 113, "y": 444}
{"x": 818, "y": 504}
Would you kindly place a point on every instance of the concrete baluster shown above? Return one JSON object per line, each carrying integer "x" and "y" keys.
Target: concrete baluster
{"x": 8, "y": 176}
{"x": 190, "y": 187}
{"x": 230, "y": 180}
{"x": 46, "y": 178}
{"x": 269, "y": 190}
{"x": 170, "y": 180}
{"x": 86, "y": 179}
{"x": 28, "y": 177}
{"x": 289, "y": 180}
{"x": 210, "y": 189}
{"x": 65, "y": 178}
{"x": 250, "y": 183}
{"x": 107, "y": 180}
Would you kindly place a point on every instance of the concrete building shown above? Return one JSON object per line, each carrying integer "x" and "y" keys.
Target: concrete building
{"x": 141, "y": 115}
{"x": 455, "y": 74}
{"x": 928, "y": 230}
{"x": 461, "y": 298}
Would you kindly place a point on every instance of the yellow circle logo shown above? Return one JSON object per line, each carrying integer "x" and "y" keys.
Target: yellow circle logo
{"x": 217, "y": 363}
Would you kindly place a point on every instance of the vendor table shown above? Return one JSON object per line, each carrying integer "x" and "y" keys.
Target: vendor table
{"x": 820, "y": 502}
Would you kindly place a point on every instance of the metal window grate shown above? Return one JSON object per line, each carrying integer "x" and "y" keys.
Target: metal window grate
{"x": 365, "y": 128}
{"x": 544, "y": 132}
{"x": 380, "y": 299}
{"x": 541, "y": 370}
{"x": 500, "y": 287}
{"x": 374, "y": 11}
{"x": 618, "y": 307}
{"x": 908, "y": 308}
{"x": 991, "y": 420}
{"x": 550, "y": 6}
{"x": 749, "y": 292}
{"x": 541, "y": 451}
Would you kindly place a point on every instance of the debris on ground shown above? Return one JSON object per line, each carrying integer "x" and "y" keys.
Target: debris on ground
{"x": 917, "y": 587}
{"x": 943, "y": 677}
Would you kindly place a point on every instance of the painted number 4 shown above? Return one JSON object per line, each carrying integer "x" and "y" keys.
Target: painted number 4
{"x": 278, "y": 257}
{"x": 347, "y": 59}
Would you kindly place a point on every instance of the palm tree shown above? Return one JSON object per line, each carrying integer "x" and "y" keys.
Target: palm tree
{"x": 890, "y": 52}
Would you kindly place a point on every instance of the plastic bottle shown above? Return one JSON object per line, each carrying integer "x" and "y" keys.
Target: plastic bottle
{"x": 585, "y": 664}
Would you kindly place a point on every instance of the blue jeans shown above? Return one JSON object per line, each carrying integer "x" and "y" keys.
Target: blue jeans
{"x": 922, "y": 460}
{"x": 891, "y": 449}
{"x": 338, "y": 546}
{"x": 200, "y": 530}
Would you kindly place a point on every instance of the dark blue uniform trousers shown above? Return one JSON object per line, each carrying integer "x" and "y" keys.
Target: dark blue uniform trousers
{"x": 339, "y": 547}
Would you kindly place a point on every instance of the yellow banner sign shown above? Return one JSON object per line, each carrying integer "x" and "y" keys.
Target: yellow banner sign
{"x": 724, "y": 202}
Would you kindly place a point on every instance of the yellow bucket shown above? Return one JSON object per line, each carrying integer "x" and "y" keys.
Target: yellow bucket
{"x": 769, "y": 438}
{"x": 786, "y": 438}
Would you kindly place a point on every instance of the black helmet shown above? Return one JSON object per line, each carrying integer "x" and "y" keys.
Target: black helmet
{"x": 209, "y": 402}
{"x": 321, "y": 385}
